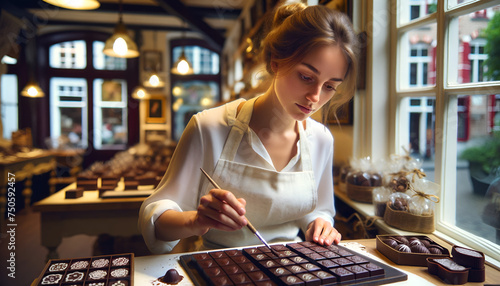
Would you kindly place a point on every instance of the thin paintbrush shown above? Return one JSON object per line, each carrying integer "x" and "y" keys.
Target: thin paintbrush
{"x": 249, "y": 224}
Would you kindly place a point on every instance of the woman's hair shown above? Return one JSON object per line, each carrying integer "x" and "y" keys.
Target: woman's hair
{"x": 298, "y": 29}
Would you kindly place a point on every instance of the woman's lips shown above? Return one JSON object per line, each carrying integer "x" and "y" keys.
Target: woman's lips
{"x": 304, "y": 109}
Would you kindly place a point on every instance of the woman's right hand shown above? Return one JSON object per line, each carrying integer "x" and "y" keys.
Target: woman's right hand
{"x": 221, "y": 210}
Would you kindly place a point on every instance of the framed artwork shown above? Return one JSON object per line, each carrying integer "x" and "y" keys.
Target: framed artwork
{"x": 344, "y": 115}
{"x": 152, "y": 61}
{"x": 155, "y": 109}
{"x": 111, "y": 91}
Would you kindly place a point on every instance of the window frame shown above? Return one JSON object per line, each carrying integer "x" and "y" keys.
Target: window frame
{"x": 445, "y": 92}
{"x": 130, "y": 75}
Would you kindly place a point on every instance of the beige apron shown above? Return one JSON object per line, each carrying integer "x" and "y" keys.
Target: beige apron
{"x": 275, "y": 200}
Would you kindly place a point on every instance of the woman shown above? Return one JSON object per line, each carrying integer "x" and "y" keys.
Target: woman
{"x": 272, "y": 161}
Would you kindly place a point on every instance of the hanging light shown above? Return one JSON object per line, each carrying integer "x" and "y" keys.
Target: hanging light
{"x": 32, "y": 89}
{"x": 182, "y": 65}
{"x": 75, "y": 4}
{"x": 154, "y": 78}
{"x": 140, "y": 93}
{"x": 120, "y": 45}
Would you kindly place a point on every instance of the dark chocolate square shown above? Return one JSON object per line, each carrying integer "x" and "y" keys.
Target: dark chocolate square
{"x": 326, "y": 278}
{"x": 299, "y": 260}
{"x": 359, "y": 272}
{"x": 374, "y": 269}
{"x": 201, "y": 256}
{"x": 239, "y": 259}
{"x": 232, "y": 269}
{"x": 218, "y": 254}
{"x": 249, "y": 267}
{"x": 258, "y": 276}
{"x": 224, "y": 261}
{"x": 213, "y": 271}
{"x": 296, "y": 269}
{"x": 342, "y": 261}
{"x": 309, "y": 279}
{"x": 357, "y": 259}
{"x": 328, "y": 263}
{"x": 221, "y": 280}
{"x": 342, "y": 274}
{"x": 207, "y": 263}
{"x": 240, "y": 278}
{"x": 292, "y": 280}
{"x": 280, "y": 271}
{"x": 269, "y": 263}
{"x": 285, "y": 262}
{"x": 329, "y": 254}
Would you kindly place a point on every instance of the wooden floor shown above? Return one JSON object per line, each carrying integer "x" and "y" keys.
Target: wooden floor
{"x": 30, "y": 255}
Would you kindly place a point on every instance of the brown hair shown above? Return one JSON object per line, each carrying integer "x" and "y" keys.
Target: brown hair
{"x": 297, "y": 29}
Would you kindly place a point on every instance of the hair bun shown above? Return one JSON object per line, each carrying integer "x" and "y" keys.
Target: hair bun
{"x": 285, "y": 11}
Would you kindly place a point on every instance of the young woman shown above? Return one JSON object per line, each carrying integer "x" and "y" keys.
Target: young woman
{"x": 273, "y": 163}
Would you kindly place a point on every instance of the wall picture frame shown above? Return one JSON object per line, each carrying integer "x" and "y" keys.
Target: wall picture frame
{"x": 152, "y": 60}
{"x": 155, "y": 112}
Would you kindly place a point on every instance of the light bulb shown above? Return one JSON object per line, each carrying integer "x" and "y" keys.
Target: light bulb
{"x": 120, "y": 46}
{"x": 183, "y": 67}
{"x": 32, "y": 91}
{"x": 154, "y": 80}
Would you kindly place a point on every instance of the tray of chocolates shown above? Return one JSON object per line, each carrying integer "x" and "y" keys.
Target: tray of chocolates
{"x": 410, "y": 250}
{"x": 108, "y": 270}
{"x": 302, "y": 263}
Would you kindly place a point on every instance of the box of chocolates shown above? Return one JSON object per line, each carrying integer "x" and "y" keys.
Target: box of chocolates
{"x": 108, "y": 270}
{"x": 410, "y": 250}
{"x": 302, "y": 263}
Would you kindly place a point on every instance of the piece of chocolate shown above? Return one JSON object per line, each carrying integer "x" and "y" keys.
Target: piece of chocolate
{"x": 100, "y": 263}
{"x": 344, "y": 253}
{"x": 359, "y": 272}
{"x": 315, "y": 256}
{"x": 326, "y": 278}
{"x": 343, "y": 261}
{"x": 357, "y": 259}
{"x": 374, "y": 269}
{"x": 77, "y": 265}
{"x": 292, "y": 280}
{"x": 269, "y": 263}
{"x": 222, "y": 280}
{"x": 224, "y": 261}
{"x": 118, "y": 283}
{"x": 391, "y": 242}
{"x": 285, "y": 262}
{"x": 172, "y": 277}
{"x": 435, "y": 250}
{"x": 201, "y": 256}
{"x": 403, "y": 248}
{"x": 328, "y": 263}
{"x": 310, "y": 266}
{"x": 207, "y": 263}
{"x": 213, "y": 271}
{"x": 249, "y": 267}
{"x": 120, "y": 261}
{"x": 309, "y": 279}
{"x": 295, "y": 269}
{"x": 240, "y": 278}
{"x": 257, "y": 276}
{"x": 280, "y": 271}
{"x": 119, "y": 273}
{"x": 232, "y": 269}
{"x": 97, "y": 274}
{"x": 239, "y": 259}
{"x": 329, "y": 254}
{"x": 76, "y": 276}
{"x": 468, "y": 257}
{"x": 234, "y": 252}
{"x": 58, "y": 267}
{"x": 299, "y": 260}
{"x": 51, "y": 279}
{"x": 73, "y": 194}
{"x": 448, "y": 270}
{"x": 343, "y": 274}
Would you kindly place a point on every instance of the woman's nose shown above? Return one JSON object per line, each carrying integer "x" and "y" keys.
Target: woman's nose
{"x": 314, "y": 93}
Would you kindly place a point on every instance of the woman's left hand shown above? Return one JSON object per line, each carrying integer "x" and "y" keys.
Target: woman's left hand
{"x": 322, "y": 232}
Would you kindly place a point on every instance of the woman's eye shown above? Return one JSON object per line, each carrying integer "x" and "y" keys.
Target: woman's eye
{"x": 330, "y": 87}
{"x": 305, "y": 77}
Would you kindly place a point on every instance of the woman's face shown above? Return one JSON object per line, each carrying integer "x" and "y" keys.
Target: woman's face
{"x": 307, "y": 86}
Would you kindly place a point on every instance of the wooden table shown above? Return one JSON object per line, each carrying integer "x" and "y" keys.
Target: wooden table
{"x": 17, "y": 168}
{"x": 89, "y": 215}
{"x": 149, "y": 268}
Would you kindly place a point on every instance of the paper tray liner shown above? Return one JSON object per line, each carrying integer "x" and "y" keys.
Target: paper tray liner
{"x": 391, "y": 274}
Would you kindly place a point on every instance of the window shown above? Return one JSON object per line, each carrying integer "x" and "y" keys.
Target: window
{"x": 88, "y": 93}
{"x": 193, "y": 93}
{"x": 9, "y": 104}
{"x": 446, "y": 105}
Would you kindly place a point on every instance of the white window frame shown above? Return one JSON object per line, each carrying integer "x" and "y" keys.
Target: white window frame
{"x": 446, "y": 92}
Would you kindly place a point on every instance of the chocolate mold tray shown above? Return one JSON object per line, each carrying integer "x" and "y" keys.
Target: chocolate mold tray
{"x": 105, "y": 270}
{"x": 302, "y": 263}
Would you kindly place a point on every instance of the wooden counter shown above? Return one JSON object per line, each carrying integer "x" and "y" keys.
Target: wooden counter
{"x": 149, "y": 268}
{"x": 89, "y": 215}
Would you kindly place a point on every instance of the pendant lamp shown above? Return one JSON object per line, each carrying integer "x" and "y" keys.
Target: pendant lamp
{"x": 32, "y": 89}
{"x": 182, "y": 65}
{"x": 154, "y": 79}
{"x": 120, "y": 45}
{"x": 140, "y": 93}
{"x": 75, "y": 4}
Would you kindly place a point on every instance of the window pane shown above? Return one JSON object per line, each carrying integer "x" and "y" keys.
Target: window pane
{"x": 68, "y": 55}
{"x": 110, "y": 114}
{"x": 104, "y": 62}
{"x": 189, "y": 98}
{"x": 9, "y": 105}
{"x": 414, "y": 9}
{"x": 417, "y": 54}
{"x": 477, "y": 42}
{"x": 478, "y": 165}
{"x": 68, "y": 112}
{"x": 204, "y": 61}
{"x": 417, "y": 128}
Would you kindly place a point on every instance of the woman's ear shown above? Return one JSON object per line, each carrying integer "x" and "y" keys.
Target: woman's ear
{"x": 274, "y": 66}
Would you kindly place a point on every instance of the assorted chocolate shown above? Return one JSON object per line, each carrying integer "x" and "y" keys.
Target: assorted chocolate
{"x": 409, "y": 250}
{"x": 465, "y": 265}
{"x": 112, "y": 270}
{"x": 302, "y": 263}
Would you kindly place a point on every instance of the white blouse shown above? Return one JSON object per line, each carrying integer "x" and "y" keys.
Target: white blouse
{"x": 201, "y": 145}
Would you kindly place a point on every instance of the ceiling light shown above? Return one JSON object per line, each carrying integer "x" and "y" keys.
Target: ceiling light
{"x": 75, "y": 4}
{"x": 182, "y": 65}
{"x": 140, "y": 93}
{"x": 120, "y": 45}
{"x": 32, "y": 89}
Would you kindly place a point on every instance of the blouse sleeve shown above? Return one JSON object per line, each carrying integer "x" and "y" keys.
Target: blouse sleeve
{"x": 178, "y": 189}
{"x": 325, "y": 208}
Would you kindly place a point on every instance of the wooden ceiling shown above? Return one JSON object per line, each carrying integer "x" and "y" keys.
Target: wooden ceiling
{"x": 211, "y": 18}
